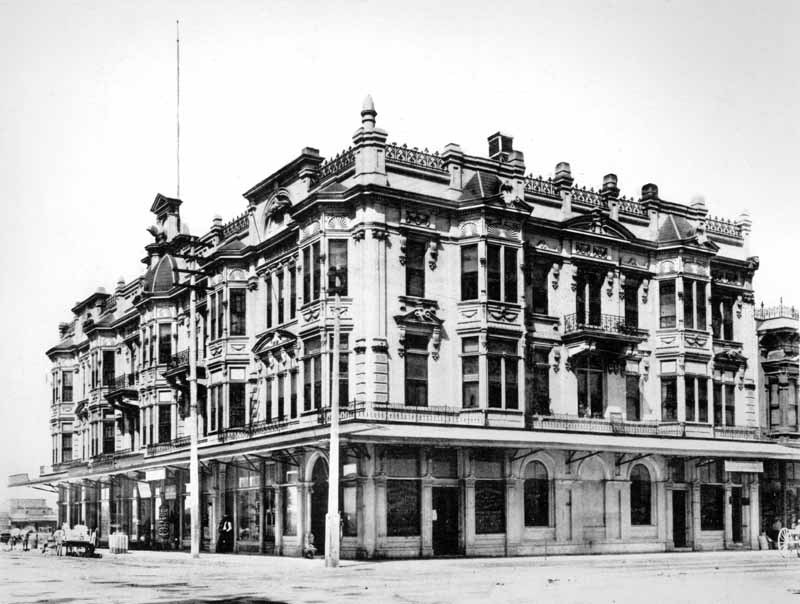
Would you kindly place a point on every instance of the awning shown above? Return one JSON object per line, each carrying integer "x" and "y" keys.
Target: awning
{"x": 576, "y": 441}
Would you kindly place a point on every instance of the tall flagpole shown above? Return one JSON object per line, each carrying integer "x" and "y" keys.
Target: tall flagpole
{"x": 178, "y": 107}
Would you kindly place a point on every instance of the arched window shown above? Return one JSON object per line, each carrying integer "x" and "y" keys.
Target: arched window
{"x": 640, "y": 496}
{"x": 537, "y": 495}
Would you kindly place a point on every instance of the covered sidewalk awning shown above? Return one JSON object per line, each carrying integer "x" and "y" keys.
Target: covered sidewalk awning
{"x": 488, "y": 437}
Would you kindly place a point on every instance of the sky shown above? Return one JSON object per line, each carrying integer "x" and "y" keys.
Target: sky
{"x": 701, "y": 98}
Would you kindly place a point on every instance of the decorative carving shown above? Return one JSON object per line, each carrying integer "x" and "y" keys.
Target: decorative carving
{"x": 468, "y": 313}
{"x": 414, "y": 157}
{"x": 610, "y": 281}
{"x": 505, "y": 229}
{"x": 539, "y": 186}
{"x": 591, "y": 251}
{"x": 417, "y": 218}
{"x": 503, "y": 313}
{"x": 556, "y": 274}
{"x": 574, "y": 282}
{"x": 645, "y": 290}
{"x": 336, "y": 164}
{"x": 403, "y": 247}
{"x": 380, "y": 234}
{"x": 622, "y": 280}
{"x": 338, "y": 222}
{"x": 468, "y": 229}
{"x": 739, "y": 307}
{"x": 433, "y": 249}
{"x": 545, "y": 245}
{"x": 556, "y": 360}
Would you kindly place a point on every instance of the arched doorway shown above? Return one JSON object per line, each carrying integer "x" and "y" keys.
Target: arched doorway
{"x": 319, "y": 503}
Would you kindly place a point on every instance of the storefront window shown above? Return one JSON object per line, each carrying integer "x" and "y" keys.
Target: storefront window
{"x": 349, "y": 511}
{"x": 712, "y": 499}
{"x": 402, "y": 508}
{"x": 641, "y": 504}
{"x": 289, "y": 497}
{"x": 490, "y": 507}
{"x": 248, "y": 515}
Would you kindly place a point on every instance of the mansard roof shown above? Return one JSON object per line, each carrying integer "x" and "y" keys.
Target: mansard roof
{"x": 482, "y": 184}
{"x": 162, "y": 278}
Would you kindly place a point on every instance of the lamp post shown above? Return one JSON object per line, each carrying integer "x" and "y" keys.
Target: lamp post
{"x": 332, "y": 518}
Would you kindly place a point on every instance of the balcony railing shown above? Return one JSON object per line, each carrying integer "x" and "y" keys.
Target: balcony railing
{"x": 777, "y": 312}
{"x": 181, "y": 359}
{"x": 613, "y": 324}
{"x": 169, "y": 446}
{"x": 125, "y": 381}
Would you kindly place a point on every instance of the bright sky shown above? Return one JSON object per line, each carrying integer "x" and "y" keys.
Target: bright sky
{"x": 697, "y": 97}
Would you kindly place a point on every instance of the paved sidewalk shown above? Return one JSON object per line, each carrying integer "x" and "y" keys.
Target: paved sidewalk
{"x": 144, "y": 577}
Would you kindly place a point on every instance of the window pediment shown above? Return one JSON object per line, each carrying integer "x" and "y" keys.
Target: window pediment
{"x": 599, "y": 223}
{"x": 422, "y": 321}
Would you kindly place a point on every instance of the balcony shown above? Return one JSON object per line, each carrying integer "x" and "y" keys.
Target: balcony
{"x": 608, "y": 328}
{"x": 123, "y": 392}
{"x": 178, "y": 367}
{"x": 182, "y": 442}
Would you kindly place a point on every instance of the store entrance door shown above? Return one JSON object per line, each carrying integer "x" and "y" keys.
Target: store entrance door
{"x": 445, "y": 521}
{"x": 679, "y": 518}
{"x": 736, "y": 514}
{"x": 319, "y": 504}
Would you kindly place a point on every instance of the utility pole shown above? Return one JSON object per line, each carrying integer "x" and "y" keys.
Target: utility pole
{"x": 194, "y": 462}
{"x": 332, "y": 518}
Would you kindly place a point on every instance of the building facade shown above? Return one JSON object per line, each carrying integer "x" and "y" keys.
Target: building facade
{"x": 526, "y": 366}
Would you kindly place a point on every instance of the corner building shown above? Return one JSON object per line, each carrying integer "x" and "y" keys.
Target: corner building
{"x": 527, "y": 366}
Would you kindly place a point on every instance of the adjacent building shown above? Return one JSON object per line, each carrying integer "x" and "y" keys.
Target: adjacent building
{"x": 526, "y": 366}
{"x": 27, "y": 515}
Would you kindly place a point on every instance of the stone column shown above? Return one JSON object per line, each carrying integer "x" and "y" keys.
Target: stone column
{"x": 613, "y": 516}
{"x": 278, "y": 512}
{"x": 469, "y": 516}
{"x": 624, "y": 498}
{"x": 514, "y": 515}
{"x": 755, "y": 512}
{"x": 695, "y": 502}
{"x": 368, "y": 523}
{"x": 303, "y": 515}
{"x": 669, "y": 528}
{"x": 426, "y": 516}
{"x": 728, "y": 516}
{"x": 380, "y": 510}
{"x": 663, "y": 507}
{"x": 68, "y": 513}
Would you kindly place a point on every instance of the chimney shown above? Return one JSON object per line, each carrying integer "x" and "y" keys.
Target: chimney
{"x": 649, "y": 191}
{"x": 500, "y": 146}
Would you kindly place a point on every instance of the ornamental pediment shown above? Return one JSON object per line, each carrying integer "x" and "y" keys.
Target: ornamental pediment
{"x": 422, "y": 317}
{"x": 598, "y": 223}
{"x": 279, "y": 339}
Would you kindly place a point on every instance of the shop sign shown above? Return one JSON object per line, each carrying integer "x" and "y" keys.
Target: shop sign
{"x": 144, "y": 490}
{"x": 159, "y": 474}
{"x": 170, "y": 491}
{"x": 744, "y": 466}
{"x": 163, "y": 523}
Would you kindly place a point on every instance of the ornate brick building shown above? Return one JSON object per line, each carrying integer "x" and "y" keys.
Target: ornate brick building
{"x": 526, "y": 366}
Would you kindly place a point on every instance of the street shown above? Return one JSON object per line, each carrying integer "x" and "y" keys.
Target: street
{"x": 143, "y": 577}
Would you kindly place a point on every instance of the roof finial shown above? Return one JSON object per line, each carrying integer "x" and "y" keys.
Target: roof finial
{"x": 368, "y": 113}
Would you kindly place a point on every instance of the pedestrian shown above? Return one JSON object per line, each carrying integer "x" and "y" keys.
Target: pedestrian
{"x": 35, "y": 541}
{"x": 59, "y": 537}
{"x": 225, "y": 539}
{"x": 25, "y": 541}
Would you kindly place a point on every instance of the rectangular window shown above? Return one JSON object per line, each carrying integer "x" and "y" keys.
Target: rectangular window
{"x": 722, "y": 317}
{"x": 66, "y": 447}
{"x": 306, "y": 275}
{"x": 700, "y": 306}
{"x": 669, "y": 398}
{"x": 690, "y": 401}
{"x": 164, "y": 343}
{"x": 236, "y": 405}
{"x": 727, "y": 320}
{"x": 292, "y": 292}
{"x": 538, "y": 275}
{"x": 540, "y": 388}
{"x": 493, "y": 272}
{"x": 337, "y": 260}
{"x": 108, "y": 437}
{"x": 589, "y": 373}
{"x": 164, "y": 423}
{"x": 402, "y": 508}
{"x": 490, "y": 507}
{"x": 718, "y": 404}
{"x": 108, "y": 367}
{"x": 688, "y": 303}
{"x": 694, "y": 304}
{"x": 270, "y": 304}
{"x": 312, "y": 375}
{"x": 469, "y": 272}
{"x": 416, "y": 365}
{"x": 213, "y": 402}
{"x": 415, "y": 268}
{"x": 220, "y": 316}
{"x": 730, "y": 405}
{"x": 293, "y": 397}
{"x": 238, "y": 312}
{"x": 503, "y": 364}
{"x": 702, "y": 399}
{"x": 712, "y": 505}
{"x": 317, "y": 271}
{"x": 633, "y": 404}
{"x": 666, "y": 300}
{"x": 268, "y": 404}
{"x": 66, "y": 386}
{"x": 587, "y": 298}
{"x": 344, "y": 369}
{"x": 469, "y": 373}
{"x": 349, "y": 510}
{"x": 281, "y": 414}
{"x": 510, "y": 274}
{"x": 281, "y": 296}
{"x": 631, "y": 303}
{"x": 212, "y": 316}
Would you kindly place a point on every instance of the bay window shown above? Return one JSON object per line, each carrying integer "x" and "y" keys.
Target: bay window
{"x": 694, "y": 304}
{"x": 236, "y": 404}
{"x": 164, "y": 343}
{"x": 696, "y": 403}
{"x": 337, "y": 260}
{"x": 501, "y": 273}
{"x": 311, "y": 273}
{"x": 470, "y": 360}
{"x": 469, "y": 272}
{"x": 344, "y": 368}
{"x": 312, "y": 374}
{"x": 164, "y": 423}
{"x": 238, "y": 302}
{"x": 66, "y": 386}
{"x": 669, "y": 398}
{"x": 666, "y": 304}
{"x": 503, "y": 365}
{"x": 724, "y": 401}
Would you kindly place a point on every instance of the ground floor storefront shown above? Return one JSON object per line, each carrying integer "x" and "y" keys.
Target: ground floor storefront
{"x": 417, "y": 499}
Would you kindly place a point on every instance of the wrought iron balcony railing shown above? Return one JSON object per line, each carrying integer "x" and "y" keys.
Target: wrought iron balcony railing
{"x": 176, "y": 444}
{"x": 612, "y": 324}
{"x": 777, "y": 312}
{"x": 126, "y": 380}
{"x": 181, "y": 359}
